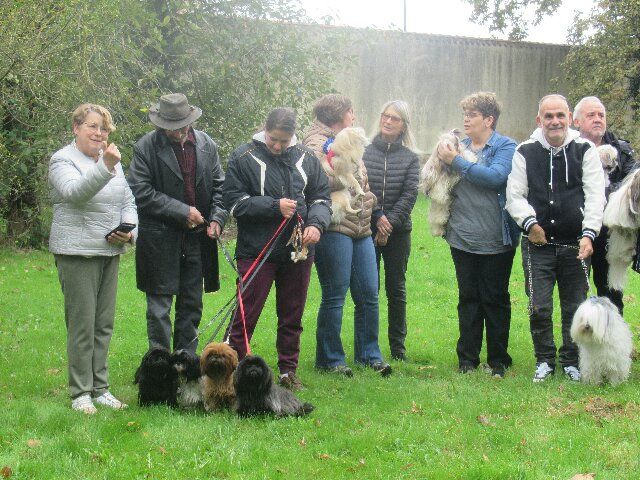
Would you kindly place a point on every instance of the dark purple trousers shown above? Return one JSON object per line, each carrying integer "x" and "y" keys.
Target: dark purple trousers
{"x": 292, "y": 283}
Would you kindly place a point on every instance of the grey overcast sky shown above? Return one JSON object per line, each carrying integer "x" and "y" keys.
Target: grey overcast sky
{"x": 446, "y": 17}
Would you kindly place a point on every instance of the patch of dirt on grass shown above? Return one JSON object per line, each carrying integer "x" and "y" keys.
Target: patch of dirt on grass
{"x": 601, "y": 409}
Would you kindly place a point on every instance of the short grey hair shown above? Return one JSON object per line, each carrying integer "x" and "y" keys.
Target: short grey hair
{"x": 553, "y": 95}
{"x": 577, "y": 112}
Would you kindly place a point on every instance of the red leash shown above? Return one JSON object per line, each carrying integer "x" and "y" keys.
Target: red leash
{"x": 246, "y": 275}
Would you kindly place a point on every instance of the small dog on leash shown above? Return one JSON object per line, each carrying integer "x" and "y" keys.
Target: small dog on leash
{"x": 347, "y": 150}
{"x": 621, "y": 216}
{"x": 187, "y": 367}
{"x": 157, "y": 379}
{"x": 218, "y": 362}
{"x": 604, "y": 342}
{"x": 257, "y": 394}
{"x": 437, "y": 182}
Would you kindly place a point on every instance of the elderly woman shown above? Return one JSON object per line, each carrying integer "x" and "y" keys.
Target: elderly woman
{"x": 393, "y": 168}
{"x": 482, "y": 235}
{"x": 91, "y": 202}
{"x": 345, "y": 255}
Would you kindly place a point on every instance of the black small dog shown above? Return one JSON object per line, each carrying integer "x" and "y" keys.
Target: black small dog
{"x": 157, "y": 379}
{"x": 187, "y": 367}
{"x": 256, "y": 393}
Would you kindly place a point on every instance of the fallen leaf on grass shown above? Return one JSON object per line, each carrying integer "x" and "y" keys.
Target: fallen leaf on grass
{"x": 324, "y": 456}
{"x": 415, "y": 408}
{"x": 33, "y": 443}
{"x": 485, "y": 458}
{"x": 317, "y": 423}
{"x": 303, "y": 442}
{"x": 6, "y": 472}
{"x": 584, "y": 476}
{"x": 523, "y": 441}
{"x": 426, "y": 367}
{"x": 53, "y": 371}
{"x": 484, "y": 420}
{"x": 407, "y": 466}
{"x": 162, "y": 450}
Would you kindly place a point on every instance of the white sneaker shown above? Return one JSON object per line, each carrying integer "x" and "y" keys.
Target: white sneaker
{"x": 110, "y": 401}
{"x": 84, "y": 404}
{"x": 543, "y": 370}
{"x": 573, "y": 373}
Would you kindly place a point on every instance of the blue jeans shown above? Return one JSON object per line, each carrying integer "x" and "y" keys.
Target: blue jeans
{"x": 343, "y": 263}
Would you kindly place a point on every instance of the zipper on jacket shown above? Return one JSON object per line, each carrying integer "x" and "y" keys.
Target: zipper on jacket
{"x": 384, "y": 177}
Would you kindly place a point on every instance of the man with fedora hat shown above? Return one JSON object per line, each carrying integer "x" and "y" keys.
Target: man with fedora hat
{"x": 177, "y": 180}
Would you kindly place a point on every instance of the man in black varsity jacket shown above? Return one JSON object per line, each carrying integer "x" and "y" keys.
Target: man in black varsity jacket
{"x": 590, "y": 118}
{"x": 555, "y": 193}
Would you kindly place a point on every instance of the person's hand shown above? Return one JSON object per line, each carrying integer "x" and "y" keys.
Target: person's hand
{"x": 110, "y": 155}
{"x": 287, "y": 207}
{"x": 214, "y": 230}
{"x": 119, "y": 238}
{"x": 446, "y": 152}
{"x": 384, "y": 226}
{"x": 311, "y": 236}
{"x": 537, "y": 235}
{"x": 194, "y": 218}
{"x": 586, "y": 248}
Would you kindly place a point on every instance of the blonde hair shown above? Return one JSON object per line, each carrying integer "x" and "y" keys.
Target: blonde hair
{"x": 79, "y": 115}
{"x": 484, "y": 102}
{"x": 402, "y": 109}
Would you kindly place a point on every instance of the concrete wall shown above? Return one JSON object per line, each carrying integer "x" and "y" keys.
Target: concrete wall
{"x": 433, "y": 73}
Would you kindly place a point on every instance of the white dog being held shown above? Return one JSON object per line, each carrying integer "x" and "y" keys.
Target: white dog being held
{"x": 622, "y": 219}
{"x": 437, "y": 182}
{"x": 347, "y": 148}
{"x": 609, "y": 159}
{"x": 604, "y": 342}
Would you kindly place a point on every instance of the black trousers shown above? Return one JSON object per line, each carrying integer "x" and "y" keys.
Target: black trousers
{"x": 483, "y": 301}
{"x": 188, "y": 306}
{"x": 600, "y": 268}
{"x": 395, "y": 255}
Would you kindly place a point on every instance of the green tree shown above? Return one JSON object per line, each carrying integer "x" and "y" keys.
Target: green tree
{"x": 234, "y": 58}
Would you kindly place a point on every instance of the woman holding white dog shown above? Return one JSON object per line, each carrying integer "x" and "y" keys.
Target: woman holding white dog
{"x": 345, "y": 255}
{"x": 482, "y": 236}
{"x": 91, "y": 202}
{"x": 393, "y": 167}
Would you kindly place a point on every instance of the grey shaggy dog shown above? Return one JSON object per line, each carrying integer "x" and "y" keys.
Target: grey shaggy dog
{"x": 257, "y": 394}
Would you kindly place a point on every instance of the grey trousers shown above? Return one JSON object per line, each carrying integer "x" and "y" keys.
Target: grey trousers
{"x": 551, "y": 264}
{"x": 89, "y": 286}
{"x": 188, "y": 305}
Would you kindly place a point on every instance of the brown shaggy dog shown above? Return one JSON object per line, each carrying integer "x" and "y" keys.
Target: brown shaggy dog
{"x": 218, "y": 362}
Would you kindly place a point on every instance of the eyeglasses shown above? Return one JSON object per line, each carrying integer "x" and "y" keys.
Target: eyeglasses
{"x": 95, "y": 128}
{"x": 391, "y": 118}
{"x": 472, "y": 114}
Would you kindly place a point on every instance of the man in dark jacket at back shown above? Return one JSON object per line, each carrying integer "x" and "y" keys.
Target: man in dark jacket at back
{"x": 177, "y": 180}
{"x": 590, "y": 117}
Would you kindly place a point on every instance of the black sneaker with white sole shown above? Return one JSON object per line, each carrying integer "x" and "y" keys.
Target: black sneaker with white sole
{"x": 543, "y": 371}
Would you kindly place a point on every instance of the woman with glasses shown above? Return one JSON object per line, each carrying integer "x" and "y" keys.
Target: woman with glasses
{"x": 91, "y": 204}
{"x": 345, "y": 255}
{"x": 482, "y": 236}
{"x": 393, "y": 167}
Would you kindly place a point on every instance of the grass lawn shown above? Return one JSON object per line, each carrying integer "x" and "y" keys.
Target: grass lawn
{"x": 425, "y": 421}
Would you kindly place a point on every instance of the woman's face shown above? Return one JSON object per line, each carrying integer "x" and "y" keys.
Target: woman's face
{"x": 475, "y": 125}
{"x": 277, "y": 140}
{"x": 391, "y": 125}
{"x": 91, "y": 135}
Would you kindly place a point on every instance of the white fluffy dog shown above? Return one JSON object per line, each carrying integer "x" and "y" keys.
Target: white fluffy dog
{"x": 621, "y": 216}
{"x": 347, "y": 148}
{"x": 609, "y": 159}
{"x": 604, "y": 342}
{"x": 437, "y": 182}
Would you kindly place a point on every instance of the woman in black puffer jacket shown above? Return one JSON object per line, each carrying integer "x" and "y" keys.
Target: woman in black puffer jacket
{"x": 393, "y": 167}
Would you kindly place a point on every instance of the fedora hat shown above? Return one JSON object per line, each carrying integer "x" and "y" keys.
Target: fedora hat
{"x": 173, "y": 112}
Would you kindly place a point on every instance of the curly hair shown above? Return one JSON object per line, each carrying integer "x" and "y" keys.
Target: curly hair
{"x": 484, "y": 102}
